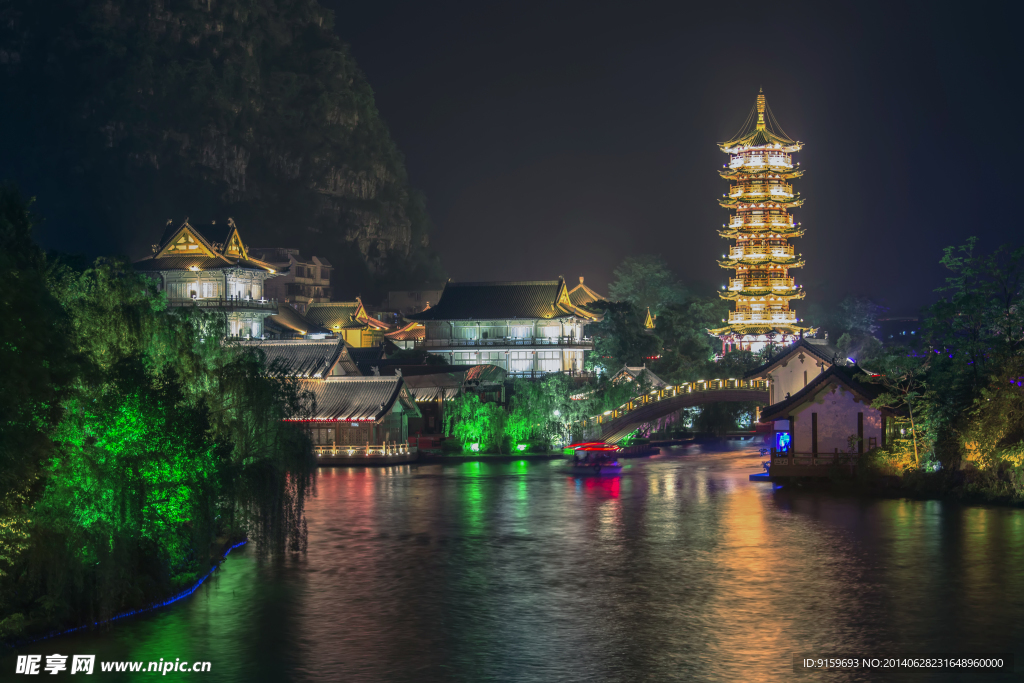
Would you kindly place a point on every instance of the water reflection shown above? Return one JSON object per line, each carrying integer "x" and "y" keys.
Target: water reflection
{"x": 680, "y": 569}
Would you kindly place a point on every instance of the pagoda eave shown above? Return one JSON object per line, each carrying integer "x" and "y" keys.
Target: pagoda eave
{"x": 760, "y": 233}
{"x": 785, "y": 329}
{"x": 735, "y": 263}
{"x": 740, "y": 173}
{"x": 787, "y": 295}
{"x": 773, "y": 203}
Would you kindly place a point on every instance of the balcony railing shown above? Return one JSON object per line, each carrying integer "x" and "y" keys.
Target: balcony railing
{"x": 738, "y": 283}
{"x": 783, "y": 251}
{"x": 761, "y": 190}
{"x": 505, "y": 341}
{"x": 761, "y": 160}
{"x": 229, "y": 303}
{"x": 541, "y": 374}
{"x": 766, "y": 317}
{"x": 751, "y": 220}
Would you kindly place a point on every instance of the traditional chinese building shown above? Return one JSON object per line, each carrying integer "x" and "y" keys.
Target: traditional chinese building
{"x": 526, "y": 328}
{"x": 795, "y": 367}
{"x": 360, "y": 420}
{"x": 827, "y": 424}
{"x": 761, "y": 171}
{"x": 210, "y": 267}
{"x": 348, "y": 319}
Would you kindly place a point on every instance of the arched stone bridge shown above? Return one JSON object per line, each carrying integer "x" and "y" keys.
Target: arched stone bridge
{"x": 615, "y": 425}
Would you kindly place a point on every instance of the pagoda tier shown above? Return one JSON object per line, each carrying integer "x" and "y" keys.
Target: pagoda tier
{"x": 764, "y": 174}
{"x": 761, "y": 171}
{"x": 765, "y": 233}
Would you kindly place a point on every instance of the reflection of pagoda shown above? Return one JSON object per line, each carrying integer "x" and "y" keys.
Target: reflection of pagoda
{"x": 760, "y": 169}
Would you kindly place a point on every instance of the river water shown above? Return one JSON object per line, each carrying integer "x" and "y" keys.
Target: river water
{"x": 680, "y": 569}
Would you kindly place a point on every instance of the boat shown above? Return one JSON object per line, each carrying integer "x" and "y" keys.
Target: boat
{"x": 593, "y": 458}
{"x": 597, "y": 469}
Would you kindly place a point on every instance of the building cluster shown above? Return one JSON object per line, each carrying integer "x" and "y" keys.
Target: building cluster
{"x": 358, "y": 364}
{"x": 376, "y": 372}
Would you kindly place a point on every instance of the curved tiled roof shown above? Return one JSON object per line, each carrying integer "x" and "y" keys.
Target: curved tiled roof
{"x": 412, "y": 331}
{"x": 363, "y": 399}
{"x": 305, "y": 358}
{"x": 864, "y": 391}
{"x": 529, "y": 300}
{"x": 290, "y": 319}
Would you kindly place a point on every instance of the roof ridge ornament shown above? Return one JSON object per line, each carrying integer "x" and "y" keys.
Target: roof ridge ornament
{"x": 760, "y": 110}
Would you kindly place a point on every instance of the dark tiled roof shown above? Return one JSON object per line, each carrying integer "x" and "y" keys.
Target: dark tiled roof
{"x": 819, "y": 348}
{"x": 431, "y": 382}
{"x": 362, "y": 399}
{"x": 495, "y": 301}
{"x": 335, "y": 315}
{"x": 288, "y": 318}
{"x": 848, "y": 377}
{"x": 302, "y": 358}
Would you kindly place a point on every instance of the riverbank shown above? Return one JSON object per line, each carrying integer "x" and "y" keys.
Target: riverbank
{"x": 435, "y": 459}
{"x": 969, "y": 487}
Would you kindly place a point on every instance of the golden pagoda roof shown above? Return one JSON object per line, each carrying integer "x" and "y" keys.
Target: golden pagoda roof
{"x": 761, "y": 130}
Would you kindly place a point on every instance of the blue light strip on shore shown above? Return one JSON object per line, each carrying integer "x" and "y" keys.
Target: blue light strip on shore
{"x": 156, "y": 605}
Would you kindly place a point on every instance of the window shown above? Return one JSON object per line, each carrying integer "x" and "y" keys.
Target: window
{"x": 551, "y": 331}
{"x": 492, "y": 358}
{"x": 549, "y": 361}
{"x": 465, "y": 358}
{"x": 520, "y": 361}
{"x": 256, "y": 329}
{"x": 520, "y": 332}
{"x": 209, "y": 290}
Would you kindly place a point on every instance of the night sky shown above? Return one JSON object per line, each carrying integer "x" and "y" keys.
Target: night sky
{"x": 555, "y": 138}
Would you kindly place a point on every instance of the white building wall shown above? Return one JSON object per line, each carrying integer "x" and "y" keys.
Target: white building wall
{"x": 794, "y": 375}
{"x": 837, "y": 411}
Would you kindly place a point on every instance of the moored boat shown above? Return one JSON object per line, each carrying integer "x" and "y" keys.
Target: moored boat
{"x": 593, "y": 458}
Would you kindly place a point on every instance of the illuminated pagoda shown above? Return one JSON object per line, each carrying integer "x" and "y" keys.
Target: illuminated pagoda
{"x": 761, "y": 169}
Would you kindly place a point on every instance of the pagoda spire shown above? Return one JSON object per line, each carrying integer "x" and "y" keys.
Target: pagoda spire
{"x": 761, "y": 171}
{"x": 760, "y": 110}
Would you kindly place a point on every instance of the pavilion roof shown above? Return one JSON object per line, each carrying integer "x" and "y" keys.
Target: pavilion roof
{"x": 312, "y": 358}
{"x": 290, "y": 319}
{"x": 358, "y": 399}
{"x": 529, "y": 300}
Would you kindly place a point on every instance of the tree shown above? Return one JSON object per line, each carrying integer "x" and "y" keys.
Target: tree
{"x": 476, "y": 423}
{"x": 687, "y": 348}
{"x": 902, "y": 374}
{"x": 620, "y": 339}
{"x": 646, "y": 282}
